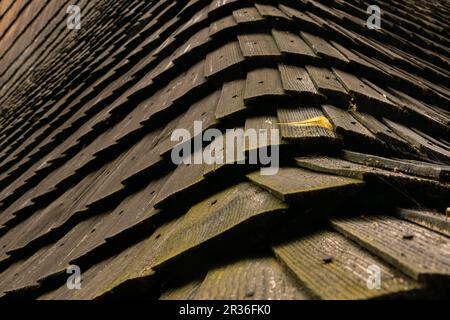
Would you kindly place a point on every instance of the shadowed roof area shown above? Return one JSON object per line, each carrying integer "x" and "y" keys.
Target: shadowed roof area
{"x": 87, "y": 179}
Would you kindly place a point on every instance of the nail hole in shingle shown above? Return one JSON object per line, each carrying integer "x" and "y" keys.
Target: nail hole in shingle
{"x": 158, "y": 236}
{"x": 327, "y": 77}
{"x": 250, "y": 293}
{"x": 214, "y": 202}
{"x": 203, "y": 113}
{"x": 152, "y": 193}
{"x": 299, "y": 78}
{"x": 361, "y": 85}
{"x": 389, "y": 130}
{"x": 254, "y": 42}
{"x": 93, "y": 230}
{"x": 353, "y": 122}
{"x": 120, "y": 213}
{"x": 235, "y": 96}
{"x": 408, "y": 236}
{"x": 261, "y": 82}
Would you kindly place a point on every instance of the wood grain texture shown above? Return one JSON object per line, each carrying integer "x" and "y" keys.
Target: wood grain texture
{"x": 299, "y": 132}
{"x": 216, "y": 215}
{"x": 231, "y": 99}
{"x": 223, "y": 58}
{"x": 423, "y": 169}
{"x": 264, "y": 82}
{"x": 258, "y": 45}
{"x": 260, "y": 278}
{"x": 418, "y": 252}
{"x": 429, "y": 219}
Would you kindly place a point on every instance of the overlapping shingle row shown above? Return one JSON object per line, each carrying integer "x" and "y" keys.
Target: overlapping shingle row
{"x": 87, "y": 178}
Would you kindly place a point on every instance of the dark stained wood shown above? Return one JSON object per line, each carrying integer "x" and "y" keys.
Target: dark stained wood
{"x": 418, "y": 252}
{"x": 433, "y": 151}
{"x": 354, "y": 133}
{"x": 197, "y": 41}
{"x": 185, "y": 179}
{"x": 296, "y": 81}
{"x": 323, "y": 48}
{"x": 203, "y": 110}
{"x": 410, "y": 186}
{"x": 192, "y": 79}
{"x": 271, "y": 12}
{"x": 263, "y": 82}
{"x": 218, "y": 4}
{"x": 223, "y": 25}
{"x": 85, "y": 124}
{"x": 327, "y": 84}
{"x": 184, "y": 292}
{"x": 250, "y": 279}
{"x": 423, "y": 169}
{"x": 294, "y": 184}
{"x": 290, "y": 129}
{"x": 258, "y": 45}
{"x": 247, "y": 15}
{"x": 231, "y": 99}
{"x": 216, "y": 215}
{"x": 260, "y": 123}
{"x": 392, "y": 140}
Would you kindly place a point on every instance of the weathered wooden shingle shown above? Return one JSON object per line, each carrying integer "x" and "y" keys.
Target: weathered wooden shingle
{"x": 223, "y": 58}
{"x": 216, "y": 215}
{"x": 303, "y": 123}
{"x": 264, "y": 82}
{"x": 86, "y": 120}
{"x": 327, "y": 84}
{"x": 270, "y": 12}
{"x": 366, "y": 97}
{"x": 247, "y": 15}
{"x": 419, "y": 168}
{"x": 294, "y": 184}
{"x": 297, "y": 82}
{"x": 231, "y": 98}
{"x": 248, "y": 280}
{"x": 258, "y": 45}
{"x": 291, "y": 44}
{"x": 223, "y": 25}
{"x": 352, "y": 132}
{"x": 323, "y": 48}
{"x": 333, "y": 267}
{"x": 418, "y": 252}
{"x": 435, "y": 221}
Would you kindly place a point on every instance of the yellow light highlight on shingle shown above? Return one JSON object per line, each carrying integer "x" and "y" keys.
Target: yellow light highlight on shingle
{"x": 320, "y": 121}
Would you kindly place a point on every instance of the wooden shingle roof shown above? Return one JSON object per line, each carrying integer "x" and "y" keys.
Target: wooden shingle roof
{"x": 87, "y": 179}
